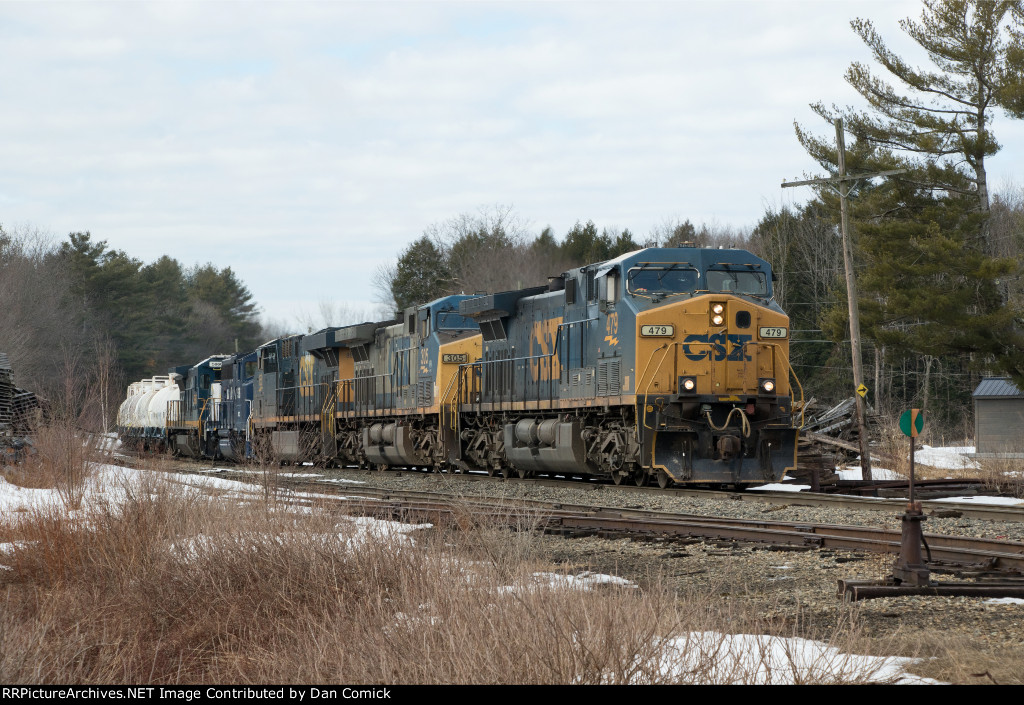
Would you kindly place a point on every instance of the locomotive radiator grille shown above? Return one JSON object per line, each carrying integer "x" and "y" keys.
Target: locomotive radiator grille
{"x": 608, "y": 380}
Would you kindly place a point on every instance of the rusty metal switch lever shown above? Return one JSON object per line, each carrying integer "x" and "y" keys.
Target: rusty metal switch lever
{"x": 909, "y": 567}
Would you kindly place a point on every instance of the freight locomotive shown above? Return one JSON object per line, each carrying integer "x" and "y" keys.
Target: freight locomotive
{"x": 663, "y": 364}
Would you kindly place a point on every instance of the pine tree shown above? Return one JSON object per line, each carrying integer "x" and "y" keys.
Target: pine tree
{"x": 422, "y": 274}
{"x": 107, "y": 285}
{"x": 223, "y": 308}
{"x": 621, "y": 243}
{"x": 939, "y": 118}
{"x": 927, "y": 274}
{"x": 583, "y": 245}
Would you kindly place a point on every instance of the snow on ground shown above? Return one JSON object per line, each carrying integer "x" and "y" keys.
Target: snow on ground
{"x": 582, "y": 581}
{"x": 946, "y": 457}
{"x": 761, "y": 659}
{"x": 1005, "y": 601}
{"x": 781, "y": 487}
{"x": 110, "y": 484}
{"x": 359, "y": 531}
{"x": 943, "y": 457}
{"x": 980, "y": 499}
{"x": 366, "y": 528}
{"x": 855, "y": 472}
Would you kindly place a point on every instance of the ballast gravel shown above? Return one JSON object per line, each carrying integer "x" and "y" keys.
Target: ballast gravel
{"x": 791, "y": 586}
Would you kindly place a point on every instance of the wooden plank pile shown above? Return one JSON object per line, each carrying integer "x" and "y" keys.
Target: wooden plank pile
{"x": 836, "y": 428}
{"x": 6, "y": 397}
{"x": 19, "y": 412}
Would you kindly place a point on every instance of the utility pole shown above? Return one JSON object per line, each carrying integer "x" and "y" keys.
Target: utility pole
{"x": 843, "y": 184}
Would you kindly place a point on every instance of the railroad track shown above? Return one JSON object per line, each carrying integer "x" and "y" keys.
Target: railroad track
{"x": 797, "y": 499}
{"x": 1005, "y": 513}
{"x": 978, "y": 557}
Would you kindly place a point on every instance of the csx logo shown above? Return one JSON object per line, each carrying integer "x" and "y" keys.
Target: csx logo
{"x": 717, "y": 344}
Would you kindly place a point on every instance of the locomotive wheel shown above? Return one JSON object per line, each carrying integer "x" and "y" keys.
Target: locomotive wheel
{"x": 492, "y": 471}
{"x": 381, "y": 467}
{"x": 507, "y": 471}
{"x": 618, "y": 476}
{"x": 663, "y": 479}
{"x": 640, "y": 477}
{"x": 524, "y": 473}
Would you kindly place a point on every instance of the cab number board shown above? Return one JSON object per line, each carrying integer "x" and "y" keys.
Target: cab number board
{"x": 454, "y": 358}
{"x": 657, "y": 331}
{"x": 773, "y": 332}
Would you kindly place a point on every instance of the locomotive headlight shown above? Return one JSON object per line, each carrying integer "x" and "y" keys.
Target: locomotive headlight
{"x": 717, "y": 314}
{"x": 767, "y": 385}
{"x": 687, "y": 385}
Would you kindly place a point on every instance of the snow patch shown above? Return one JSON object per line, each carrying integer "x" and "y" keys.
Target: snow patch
{"x": 763, "y": 660}
{"x": 555, "y": 581}
{"x": 946, "y": 457}
{"x": 980, "y": 499}
{"x": 780, "y": 487}
{"x": 855, "y": 472}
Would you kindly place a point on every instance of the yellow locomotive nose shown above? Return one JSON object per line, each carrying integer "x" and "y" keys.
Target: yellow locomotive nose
{"x": 713, "y": 344}
{"x": 713, "y": 389}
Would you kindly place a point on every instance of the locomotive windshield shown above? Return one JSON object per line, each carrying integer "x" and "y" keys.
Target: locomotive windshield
{"x": 737, "y": 281}
{"x": 449, "y": 320}
{"x": 663, "y": 281}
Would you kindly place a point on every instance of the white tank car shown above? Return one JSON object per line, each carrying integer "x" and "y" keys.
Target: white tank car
{"x": 123, "y": 411}
{"x": 167, "y": 392}
{"x": 140, "y": 405}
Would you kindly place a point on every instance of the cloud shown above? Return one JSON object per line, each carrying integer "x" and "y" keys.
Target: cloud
{"x": 303, "y": 144}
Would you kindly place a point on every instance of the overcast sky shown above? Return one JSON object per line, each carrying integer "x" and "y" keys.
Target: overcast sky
{"x": 305, "y": 143}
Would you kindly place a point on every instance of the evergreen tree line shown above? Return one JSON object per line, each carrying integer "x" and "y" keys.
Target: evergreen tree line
{"x": 81, "y": 310}
{"x": 494, "y": 250}
{"x": 938, "y": 258}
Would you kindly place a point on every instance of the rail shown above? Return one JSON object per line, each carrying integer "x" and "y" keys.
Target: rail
{"x": 948, "y": 552}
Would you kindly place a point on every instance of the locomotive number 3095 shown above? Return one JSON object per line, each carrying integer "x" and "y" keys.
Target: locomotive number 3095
{"x": 657, "y": 331}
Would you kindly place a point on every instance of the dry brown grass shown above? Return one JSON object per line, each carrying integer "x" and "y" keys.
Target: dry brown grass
{"x": 62, "y": 458}
{"x": 896, "y": 448}
{"x": 173, "y": 586}
{"x": 1002, "y": 475}
{"x": 960, "y": 658}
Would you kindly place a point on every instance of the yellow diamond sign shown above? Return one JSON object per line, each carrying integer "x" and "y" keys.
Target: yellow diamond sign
{"x": 862, "y": 390}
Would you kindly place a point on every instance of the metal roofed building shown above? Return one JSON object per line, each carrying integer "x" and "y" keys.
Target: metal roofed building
{"x": 998, "y": 418}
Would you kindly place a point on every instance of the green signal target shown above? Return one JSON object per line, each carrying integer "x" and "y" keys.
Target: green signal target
{"x": 911, "y": 422}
